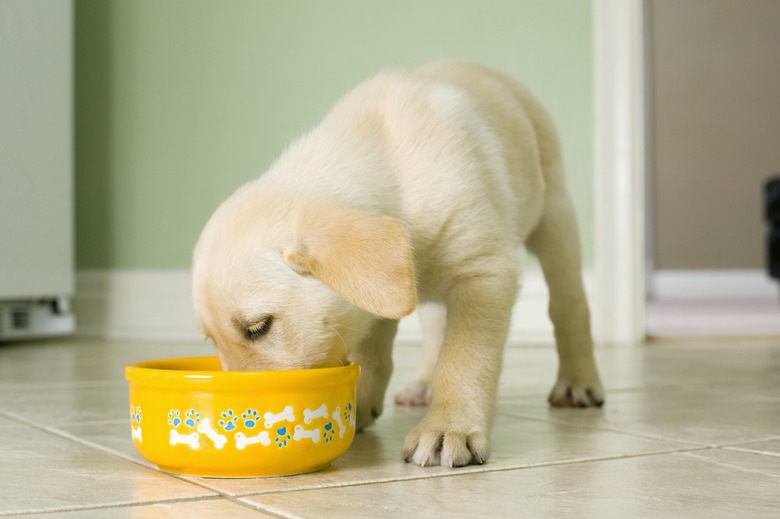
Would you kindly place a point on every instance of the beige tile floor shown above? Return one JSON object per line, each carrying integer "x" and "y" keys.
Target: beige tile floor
{"x": 690, "y": 429}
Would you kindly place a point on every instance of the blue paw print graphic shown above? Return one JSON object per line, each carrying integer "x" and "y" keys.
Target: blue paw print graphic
{"x": 229, "y": 422}
{"x": 173, "y": 418}
{"x": 192, "y": 418}
{"x": 136, "y": 415}
{"x": 348, "y": 411}
{"x": 328, "y": 434}
{"x": 282, "y": 437}
{"x": 250, "y": 418}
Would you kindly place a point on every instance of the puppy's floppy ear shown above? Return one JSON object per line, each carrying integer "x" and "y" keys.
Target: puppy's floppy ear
{"x": 364, "y": 257}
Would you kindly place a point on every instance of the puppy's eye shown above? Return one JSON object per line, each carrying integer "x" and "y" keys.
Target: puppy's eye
{"x": 259, "y": 329}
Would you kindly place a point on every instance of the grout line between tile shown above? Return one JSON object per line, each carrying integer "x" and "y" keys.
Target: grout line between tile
{"x": 272, "y": 511}
{"x": 237, "y": 498}
{"x": 465, "y": 471}
{"x": 731, "y": 466}
{"x": 24, "y": 421}
{"x": 107, "y": 506}
{"x": 473, "y": 470}
{"x": 695, "y": 445}
{"x": 752, "y": 451}
{"x": 259, "y": 508}
{"x": 66, "y": 435}
{"x": 644, "y": 436}
{"x": 13, "y": 417}
{"x": 745, "y": 447}
{"x": 215, "y": 492}
{"x": 105, "y": 450}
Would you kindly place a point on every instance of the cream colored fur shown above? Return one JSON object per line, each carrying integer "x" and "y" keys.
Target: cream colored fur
{"x": 417, "y": 187}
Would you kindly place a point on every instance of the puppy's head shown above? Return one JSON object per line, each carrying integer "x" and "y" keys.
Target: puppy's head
{"x": 281, "y": 283}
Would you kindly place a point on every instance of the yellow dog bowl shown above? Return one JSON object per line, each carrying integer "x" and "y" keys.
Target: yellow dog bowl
{"x": 188, "y": 417}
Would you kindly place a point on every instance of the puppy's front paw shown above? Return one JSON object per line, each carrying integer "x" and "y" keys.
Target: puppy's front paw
{"x": 577, "y": 393}
{"x": 434, "y": 442}
{"x": 414, "y": 393}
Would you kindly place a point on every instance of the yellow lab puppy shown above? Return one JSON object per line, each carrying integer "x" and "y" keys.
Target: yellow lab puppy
{"x": 417, "y": 187}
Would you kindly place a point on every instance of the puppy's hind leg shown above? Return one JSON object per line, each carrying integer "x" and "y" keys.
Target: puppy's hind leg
{"x": 556, "y": 243}
{"x": 433, "y": 320}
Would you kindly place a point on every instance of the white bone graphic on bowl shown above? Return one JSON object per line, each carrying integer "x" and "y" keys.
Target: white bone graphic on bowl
{"x": 188, "y": 439}
{"x": 242, "y": 440}
{"x": 205, "y": 428}
{"x": 337, "y": 416}
{"x": 301, "y": 433}
{"x": 272, "y": 419}
{"x": 137, "y": 433}
{"x": 321, "y": 412}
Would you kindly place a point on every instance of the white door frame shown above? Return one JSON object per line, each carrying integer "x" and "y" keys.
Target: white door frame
{"x": 619, "y": 170}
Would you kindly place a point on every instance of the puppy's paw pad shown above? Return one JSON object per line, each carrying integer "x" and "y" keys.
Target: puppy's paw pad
{"x": 566, "y": 394}
{"x": 448, "y": 449}
{"x": 414, "y": 394}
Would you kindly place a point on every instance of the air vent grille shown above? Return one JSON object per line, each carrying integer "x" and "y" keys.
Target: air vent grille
{"x": 20, "y": 318}
{"x": 32, "y": 319}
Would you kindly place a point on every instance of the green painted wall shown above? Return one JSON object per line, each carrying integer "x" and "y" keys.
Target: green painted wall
{"x": 178, "y": 102}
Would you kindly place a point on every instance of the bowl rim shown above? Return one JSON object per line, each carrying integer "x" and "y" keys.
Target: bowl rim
{"x": 154, "y": 372}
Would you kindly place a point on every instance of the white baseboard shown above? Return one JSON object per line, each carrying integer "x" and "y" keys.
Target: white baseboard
{"x": 157, "y": 306}
{"x": 135, "y": 305}
{"x": 712, "y": 285}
